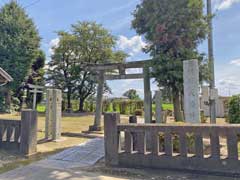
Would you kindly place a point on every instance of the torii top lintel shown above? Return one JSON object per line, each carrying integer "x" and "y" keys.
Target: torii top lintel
{"x": 114, "y": 66}
{"x": 108, "y": 68}
{"x": 121, "y": 67}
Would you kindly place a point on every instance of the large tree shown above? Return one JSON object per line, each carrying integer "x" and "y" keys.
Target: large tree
{"x": 132, "y": 94}
{"x": 173, "y": 29}
{"x": 19, "y": 44}
{"x": 87, "y": 42}
{"x": 61, "y": 73}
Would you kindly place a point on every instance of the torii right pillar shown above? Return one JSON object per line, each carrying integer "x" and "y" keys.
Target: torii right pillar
{"x": 191, "y": 91}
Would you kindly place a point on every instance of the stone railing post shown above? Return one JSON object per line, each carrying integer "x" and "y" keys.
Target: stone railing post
{"x": 28, "y": 140}
{"x": 111, "y": 138}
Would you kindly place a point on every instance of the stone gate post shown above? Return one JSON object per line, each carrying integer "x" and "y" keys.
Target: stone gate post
{"x": 28, "y": 141}
{"x": 111, "y": 138}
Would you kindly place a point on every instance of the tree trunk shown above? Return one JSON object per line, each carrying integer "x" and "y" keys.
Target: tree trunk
{"x": 177, "y": 106}
{"x": 81, "y": 104}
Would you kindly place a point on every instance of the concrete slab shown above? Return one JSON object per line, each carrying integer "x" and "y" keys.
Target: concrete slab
{"x": 34, "y": 172}
{"x": 85, "y": 154}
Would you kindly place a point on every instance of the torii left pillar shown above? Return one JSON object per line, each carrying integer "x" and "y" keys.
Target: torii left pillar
{"x": 97, "y": 121}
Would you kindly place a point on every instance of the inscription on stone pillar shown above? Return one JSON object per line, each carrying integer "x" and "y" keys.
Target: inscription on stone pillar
{"x": 53, "y": 114}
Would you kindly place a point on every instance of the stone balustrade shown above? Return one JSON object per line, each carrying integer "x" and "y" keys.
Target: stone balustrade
{"x": 20, "y": 135}
{"x": 152, "y": 146}
{"x": 10, "y": 134}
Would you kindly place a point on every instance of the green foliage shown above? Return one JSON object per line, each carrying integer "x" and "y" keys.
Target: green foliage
{"x": 41, "y": 108}
{"x": 19, "y": 46}
{"x": 132, "y": 94}
{"x": 19, "y": 43}
{"x": 37, "y": 71}
{"x": 173, "y": 30}
{"x": 87, "y": 42}
{"x": 36, "y": 77}
{"x": 234, "y": 110}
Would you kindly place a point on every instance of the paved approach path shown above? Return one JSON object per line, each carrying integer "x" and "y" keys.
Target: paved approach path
{"x": 64, "y": 165}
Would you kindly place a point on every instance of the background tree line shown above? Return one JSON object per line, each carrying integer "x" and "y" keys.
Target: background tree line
{"x": 173, "y": 29}
{"x": 20, "y": 54}
{"x": 21, "y": 57}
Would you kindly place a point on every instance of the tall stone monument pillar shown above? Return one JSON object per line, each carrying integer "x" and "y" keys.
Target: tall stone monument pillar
{"x": 147, "y": 96}
{"x": 53, "y": 114}
{"x": 191, "y": 91}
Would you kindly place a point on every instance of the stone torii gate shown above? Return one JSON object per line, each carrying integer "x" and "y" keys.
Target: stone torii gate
{"x": 35, "y": 89}
{"x": 117, "y": 71}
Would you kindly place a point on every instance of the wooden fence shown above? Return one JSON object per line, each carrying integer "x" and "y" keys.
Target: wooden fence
{"x": 20, "y": 135}
{"x": 179, "y": 147}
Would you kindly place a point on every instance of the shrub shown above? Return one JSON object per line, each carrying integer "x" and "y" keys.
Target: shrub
{"x": 138, "y": 112}
{"x": 234, "y": 110}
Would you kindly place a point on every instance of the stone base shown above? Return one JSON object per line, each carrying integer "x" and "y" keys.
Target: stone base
{"x": 95, "y": 128}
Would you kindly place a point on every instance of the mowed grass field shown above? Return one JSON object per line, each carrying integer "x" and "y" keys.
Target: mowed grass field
{"x": 73, "y": 125}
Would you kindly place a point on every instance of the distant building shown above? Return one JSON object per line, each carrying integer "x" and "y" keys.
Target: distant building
{"x": 118, "y": 98}
{"x": 4, "y": 77}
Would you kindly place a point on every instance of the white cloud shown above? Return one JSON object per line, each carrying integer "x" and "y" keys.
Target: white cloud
{"x": 227, "y": 79}
{"x": 235, "y": 62}
{"x": 132, "y": 45}
{"x": 53, "y": 44}
{"x": 224, "y": 4}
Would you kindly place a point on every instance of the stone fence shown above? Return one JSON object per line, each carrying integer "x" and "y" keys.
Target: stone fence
{"x": 168, "y": 146}
{"x": 20, "y": 136}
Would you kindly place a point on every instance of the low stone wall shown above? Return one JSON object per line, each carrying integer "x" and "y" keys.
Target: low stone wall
{"x": 20, "y": 135}
{"x": 153, "y": 147}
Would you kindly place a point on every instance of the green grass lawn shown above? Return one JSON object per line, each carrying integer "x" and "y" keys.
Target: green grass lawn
{"x": 41, "y": 108}
{"x": 164, "y": 106}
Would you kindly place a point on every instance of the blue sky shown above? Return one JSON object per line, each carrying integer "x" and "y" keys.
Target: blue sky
{"x": 53, "y": 15}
